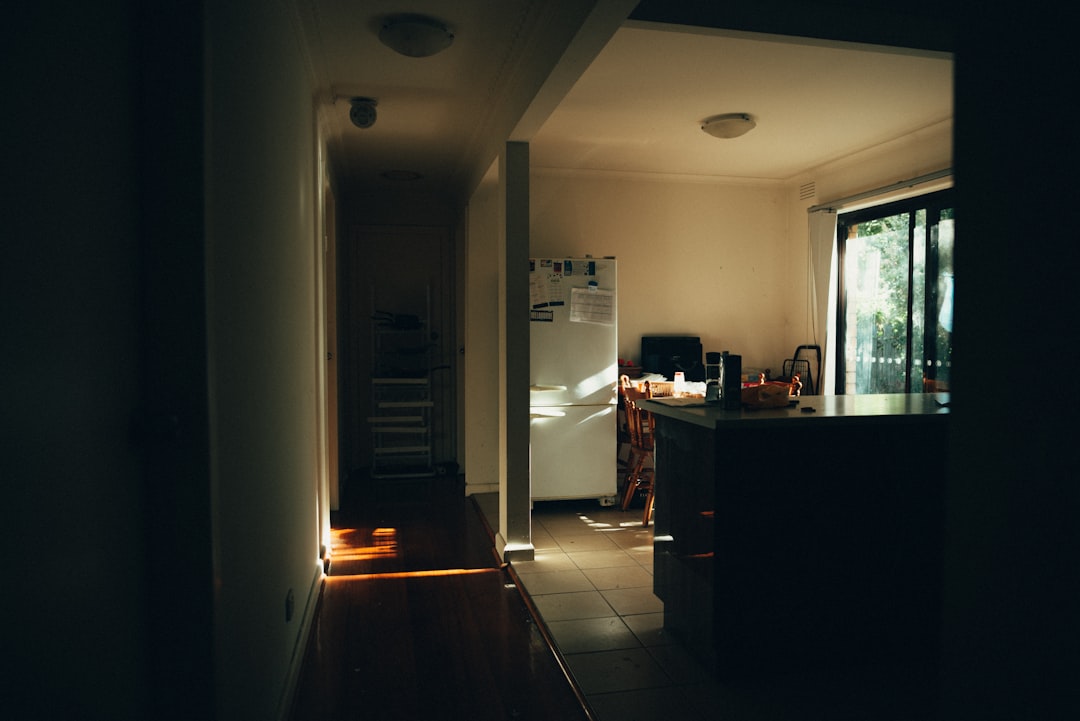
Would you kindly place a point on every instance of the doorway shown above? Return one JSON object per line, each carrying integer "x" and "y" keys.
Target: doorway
{"x": 398, "y": 271}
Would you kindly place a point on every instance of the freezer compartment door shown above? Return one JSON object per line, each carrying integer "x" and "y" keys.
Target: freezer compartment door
{"x": 573, "y": 450}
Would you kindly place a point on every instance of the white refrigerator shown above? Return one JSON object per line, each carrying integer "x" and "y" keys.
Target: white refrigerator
{"x": 573, "y": 378}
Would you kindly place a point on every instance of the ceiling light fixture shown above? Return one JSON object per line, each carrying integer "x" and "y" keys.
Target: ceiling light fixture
{"x": 728, "y": 125}
{"x": 416, "y": 36}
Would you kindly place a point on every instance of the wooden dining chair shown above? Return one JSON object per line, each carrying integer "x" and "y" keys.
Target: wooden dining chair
{"x": 640, "y": 474}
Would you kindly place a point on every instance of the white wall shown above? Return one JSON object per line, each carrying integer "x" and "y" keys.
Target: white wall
{"x": 264, "y": 353}
{"x": 481, "y": 360}
{"x": 704, "y": 259}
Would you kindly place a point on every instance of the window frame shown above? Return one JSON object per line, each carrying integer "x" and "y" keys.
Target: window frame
{"x": 933, "y": 203}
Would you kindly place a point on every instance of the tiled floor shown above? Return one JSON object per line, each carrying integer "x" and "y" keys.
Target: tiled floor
{"x": 591, "y": 581}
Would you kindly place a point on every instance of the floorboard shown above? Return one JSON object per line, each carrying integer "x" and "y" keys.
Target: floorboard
{"x": 419, "y": 620}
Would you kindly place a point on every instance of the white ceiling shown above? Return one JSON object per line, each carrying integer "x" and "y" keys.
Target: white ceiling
{"x": 640, "y": 104}
{"x": 637, "y": 107}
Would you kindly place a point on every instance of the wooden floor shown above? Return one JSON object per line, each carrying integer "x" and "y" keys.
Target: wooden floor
{"x": 419, "y": 620}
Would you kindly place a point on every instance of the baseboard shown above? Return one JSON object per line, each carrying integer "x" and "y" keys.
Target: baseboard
{"x": 303, "y": 633}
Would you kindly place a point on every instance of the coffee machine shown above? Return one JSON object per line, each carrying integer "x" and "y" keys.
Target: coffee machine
{"x": 723, "y": 379}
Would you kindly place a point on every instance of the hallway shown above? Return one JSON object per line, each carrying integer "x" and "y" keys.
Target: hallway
{"x": 419, "y": 620}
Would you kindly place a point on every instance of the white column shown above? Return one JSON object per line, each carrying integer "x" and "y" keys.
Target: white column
{"x": 515, "y": 496}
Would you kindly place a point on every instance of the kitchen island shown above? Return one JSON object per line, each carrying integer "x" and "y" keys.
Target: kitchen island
{"x": 801, "y": 537}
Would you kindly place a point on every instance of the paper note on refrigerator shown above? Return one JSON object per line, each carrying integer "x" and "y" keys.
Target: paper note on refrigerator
{"x": 592, "y": 305}
{"x": 545, "y": 290}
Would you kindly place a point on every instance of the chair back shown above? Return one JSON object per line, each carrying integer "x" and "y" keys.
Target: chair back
{"x": 639, "y": 422}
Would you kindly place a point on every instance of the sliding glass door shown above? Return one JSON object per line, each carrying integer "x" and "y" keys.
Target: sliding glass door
{"x": 896, "y": 292}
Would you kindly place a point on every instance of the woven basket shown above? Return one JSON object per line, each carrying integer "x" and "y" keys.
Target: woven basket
{"x": 662, "y": 388}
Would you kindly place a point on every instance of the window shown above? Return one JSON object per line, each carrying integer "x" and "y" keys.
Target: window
{"x": 894, "y": 317}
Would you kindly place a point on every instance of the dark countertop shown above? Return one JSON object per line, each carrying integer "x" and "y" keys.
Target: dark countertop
{"x": 860, "y": 409}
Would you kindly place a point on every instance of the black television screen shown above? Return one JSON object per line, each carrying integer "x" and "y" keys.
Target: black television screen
{"x": 666, "y": 354}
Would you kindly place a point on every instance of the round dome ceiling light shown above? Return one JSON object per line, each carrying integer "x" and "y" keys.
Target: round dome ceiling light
{"x": 728, "y": 125}
{"x": 415, "y": 36}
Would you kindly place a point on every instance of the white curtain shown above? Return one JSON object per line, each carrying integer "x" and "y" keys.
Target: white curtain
{"x": 822, "y": 291}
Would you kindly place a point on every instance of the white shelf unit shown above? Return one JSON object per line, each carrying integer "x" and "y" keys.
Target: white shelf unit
{"x": 401, "y": 402}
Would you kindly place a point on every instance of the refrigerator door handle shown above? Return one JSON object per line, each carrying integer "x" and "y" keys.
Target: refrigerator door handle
{"x": 547, "y": 389}
{"x": 546, "y": 413}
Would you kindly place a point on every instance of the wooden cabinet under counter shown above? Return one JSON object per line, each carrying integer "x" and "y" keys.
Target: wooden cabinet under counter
{"x": 791, "y": 538}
